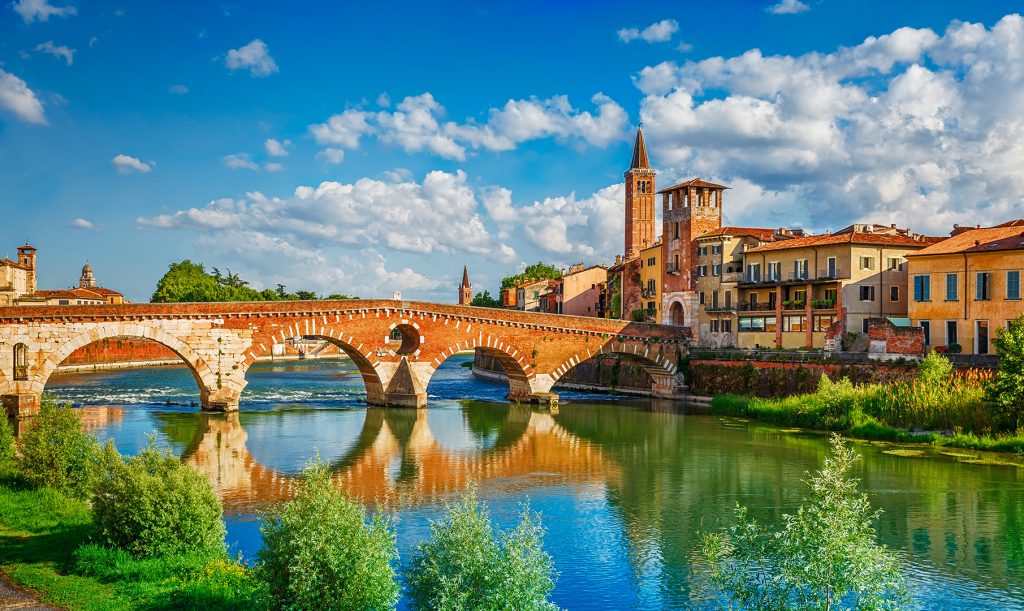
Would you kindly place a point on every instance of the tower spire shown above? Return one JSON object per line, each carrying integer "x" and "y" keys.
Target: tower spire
{"x": 465, "y": 289}
{"x": 640, "y": 161}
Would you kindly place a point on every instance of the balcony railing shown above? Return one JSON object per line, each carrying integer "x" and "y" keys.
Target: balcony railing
{"x": 832, "y": 274}
{"x": 646, "y": 294}
{"x": 757, "y": 307}
{"x": 731, "y": 277}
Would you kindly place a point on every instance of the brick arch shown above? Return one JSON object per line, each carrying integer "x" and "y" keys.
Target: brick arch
{"x": 371, "y": 377}
{"x": 513, "y": 362}
{"x": 687, "y": 318}
{"x": 657, "y": 367}
{"x": 205, "y": 378}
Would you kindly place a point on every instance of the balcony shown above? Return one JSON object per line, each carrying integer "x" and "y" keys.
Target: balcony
{"x": 720, "y": 308}
{"x": 757, "y": 307}
{"x": 673, "y": 270}
{"x": 732, "y": 276}
{"x": 648, "y": 294}
{"x": 833, "y": 274}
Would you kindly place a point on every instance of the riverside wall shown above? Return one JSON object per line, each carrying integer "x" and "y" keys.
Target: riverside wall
{"x": 606, "y": 373}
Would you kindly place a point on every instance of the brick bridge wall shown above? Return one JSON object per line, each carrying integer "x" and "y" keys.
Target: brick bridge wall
{"x": 219, "y": 341}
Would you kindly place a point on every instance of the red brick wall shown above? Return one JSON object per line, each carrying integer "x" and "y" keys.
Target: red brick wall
{"x": 119, "y": 350}
{"x": 898, "y": 340}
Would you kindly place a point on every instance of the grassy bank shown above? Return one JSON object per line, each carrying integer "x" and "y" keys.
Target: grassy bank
{"x": 45, "y": 545}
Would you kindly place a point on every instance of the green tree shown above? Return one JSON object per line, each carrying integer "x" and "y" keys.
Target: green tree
{"x": 152, "y": 504}
{"x": 189, "y": 282}
{"x": 465, "y": 567}
{"x": 319, "y": 551}
{"x": 824, "y": 557}
{"x": 935, "y": 370}
{"x": 305, "y": 295}
{"x": 57, "y": 453}
{"x": 537, "y": 271}
{"x": 1006, "y": 392}
{"x": 484, "y": 300}
{"x": 7, "y": 447}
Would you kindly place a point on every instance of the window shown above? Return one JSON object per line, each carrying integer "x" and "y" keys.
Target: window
{"x": 727, "y": 326}
{"x": 952, "y": 290}
{"x": 714, "y": 300}
{"x": 702, "y": 270}
{"x": 951, "y": 333}
{"x": 867, "y": 293}
{"x": 757, "y": 324}
{"x": 774, "y": 270}
{"x": 651, "y": 262}
{"x": 753, "y": 299}
{"x": 983, "y": 290}
{"x": 927, "y": 326}
{"x": 63, "y": 302}
{"x": 831, "y": 294}
{"x": 650, "y": 307}
{"x": 981, "y": 337}
{"x": 922, "y": 288}
{"x": 651, "y": 286}
{"x": 893, "y": 263}
{"x": 794, "y": 323}
{"x": 728, "y": 299}
{"x": 823, "y": 322}
{"x": 864, "y": 326}
{"x": 20, "y": 363}
{"x": 894, "y": 293}
{"x": 702, "y": 250}
{"x": 714, "y": 326}
{"x": 1013, "y": 284}
{"x": 832, "y": 271}
{"x": 867, "y": 263}
{"x": 702, "y": 298}
{"x": 716, "y": 249}
{"x": 800, "y": 269}
{"x": 754, "y": 272}
{"x": 675, "y": 230}
{"x": 716, "y": 270}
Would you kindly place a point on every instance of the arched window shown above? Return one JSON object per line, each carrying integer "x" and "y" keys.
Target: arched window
{"x": 20, "y": 362}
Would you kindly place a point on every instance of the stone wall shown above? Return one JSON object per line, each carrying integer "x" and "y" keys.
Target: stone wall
{"x": 604, "y": 373}
{"x": 781, "y": 379}
{"x": 886, "y": 338}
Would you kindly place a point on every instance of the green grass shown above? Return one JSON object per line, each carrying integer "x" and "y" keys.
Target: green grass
{"x": 45, "y": 546}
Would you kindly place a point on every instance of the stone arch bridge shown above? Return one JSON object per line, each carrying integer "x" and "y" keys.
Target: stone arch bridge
{"x": 396, "y": 345}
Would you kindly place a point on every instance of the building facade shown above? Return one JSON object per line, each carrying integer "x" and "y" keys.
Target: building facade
{"x": 651, "y": 273}
{"x": 528, "y": 295}
{"x": 580, "y": 290}
{"x": 18, "y": 278}
{"x": 792, "y": 291}
{"x": 689, "y": 210}
{"x": 965, "y": 288}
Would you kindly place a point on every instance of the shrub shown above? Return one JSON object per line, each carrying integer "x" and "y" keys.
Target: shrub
{"x": 56, "y": 452}
{"x": 152, "y": 505}
{"x": 7, "y": 454}
{"x": 935, "y": 370}
{"x": 1006, "y": 392}
{"x": 464, "y": 566}
{"x": 319, "y": 552}
{"x": 823, "y": 557}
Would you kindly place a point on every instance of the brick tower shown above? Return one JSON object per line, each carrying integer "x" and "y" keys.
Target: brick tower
{"x": 465, "y": 289}
{"x": 27, "y": 259}
{"x": 689, "y": 209}
{"x": 639, "y": 200}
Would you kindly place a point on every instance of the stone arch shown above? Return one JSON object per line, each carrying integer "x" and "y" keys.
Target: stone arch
{"x": 517, "y": 370}
{"x": 205, "y": 378}
{"x": 371, "y": 377}
{"x": 678, "y": 316}
{"x": 662, "y": 372}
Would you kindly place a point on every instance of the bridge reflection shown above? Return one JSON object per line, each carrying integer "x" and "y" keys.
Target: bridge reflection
{"x": 397, "y": 459}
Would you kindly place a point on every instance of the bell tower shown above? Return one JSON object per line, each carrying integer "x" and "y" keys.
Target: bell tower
{"x": 465, "y": 289}
{"x": 27, "y": 259}
{"x": 639, "y": 200}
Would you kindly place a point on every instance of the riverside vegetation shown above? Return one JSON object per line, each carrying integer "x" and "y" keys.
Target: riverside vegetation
{"x": 91, "y": 529}
{"x": 973, "y": 409}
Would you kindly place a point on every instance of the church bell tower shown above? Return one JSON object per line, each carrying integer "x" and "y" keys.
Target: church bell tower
{"x": 639, "y": 200}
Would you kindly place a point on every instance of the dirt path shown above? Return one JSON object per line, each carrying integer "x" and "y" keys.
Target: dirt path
{"x": 12, "y": 597}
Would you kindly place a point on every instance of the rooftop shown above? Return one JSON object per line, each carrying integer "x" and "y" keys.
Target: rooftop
{"x": 1008, "y": 236}
{"x": 693, "y": 182}
{"x": 760, "y": 233}
{"x": 853, "y": 237}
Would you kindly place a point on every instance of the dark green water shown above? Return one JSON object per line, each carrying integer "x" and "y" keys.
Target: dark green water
{"x": 624, "y": 487}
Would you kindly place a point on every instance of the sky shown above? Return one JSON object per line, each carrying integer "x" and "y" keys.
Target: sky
{"x": 365, "y": 148}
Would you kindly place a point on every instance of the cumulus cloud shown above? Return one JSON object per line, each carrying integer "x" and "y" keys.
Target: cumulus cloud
{"x": 60, "y": 52}
{"x": 273, "y": 167}
{"x": 41, "y": 10}
{"x": 239, "y": 161}
{"x": 16, "y": 97}
{"x": 178, "y": 89}
{"x": 660, "y": 31}
{"x": 417, "y": 125}
{"x": 276, "y": 148}
{"x": 912, "y": 127}
{"x": 254, "y": 57}
{"x": 83, "y": 224}
{"x": 788, "y": 7}
{"x": 126, "y": 164}
{"x": 332, "y": 156}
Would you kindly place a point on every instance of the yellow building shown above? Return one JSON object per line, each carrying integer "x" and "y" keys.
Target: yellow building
{"x": 965, "y": 288}
{"x": 792, "y": 291}
{"x": 651, "y": 267}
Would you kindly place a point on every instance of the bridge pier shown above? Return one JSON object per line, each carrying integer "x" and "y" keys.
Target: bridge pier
{"x": 404, "y": 386}
{"x": 21, "y": 404}
{"x": 220, "y": 400}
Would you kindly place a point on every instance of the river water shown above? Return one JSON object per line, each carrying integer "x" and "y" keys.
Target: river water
{"x": 624, "y": 486}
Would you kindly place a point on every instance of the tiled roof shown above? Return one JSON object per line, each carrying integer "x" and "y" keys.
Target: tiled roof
{"x": 755, "y": 232}
{"x": 13, "y": 264}
{"x": 97, "y": 293}
{"x": 694, "y": 182}
{"x": 1008, "y": 236}
{"x": 640, "y": 161}
{"x": 879, "y": 239}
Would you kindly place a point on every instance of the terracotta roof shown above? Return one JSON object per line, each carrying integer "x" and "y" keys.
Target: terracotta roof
{"x": 27, "y": 246}
{"x": 760, "y": 233}
{"x": 1008, "y": 236}
{"x": 880, "y": 239}
{"x": 103, "y": 291}
{"x": 14, "y": 264}
{"x": 93, "y": 293}
{"x": 694, "y": 182}
{"x": 640, "y": 161}
{"x": 465, "y": 276}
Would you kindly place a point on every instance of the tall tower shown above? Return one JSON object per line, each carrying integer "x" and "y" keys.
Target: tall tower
{"x": 639, "y": 200}
{"x": 27, "y": 258}
{"x": 465, "y": 289}
{"x": 87, "y": 280}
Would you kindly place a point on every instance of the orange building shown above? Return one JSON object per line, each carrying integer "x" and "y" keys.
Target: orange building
{"x": 968, "y": 286}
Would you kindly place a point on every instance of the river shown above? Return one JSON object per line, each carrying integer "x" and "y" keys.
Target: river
{"x": 624, "y": 486}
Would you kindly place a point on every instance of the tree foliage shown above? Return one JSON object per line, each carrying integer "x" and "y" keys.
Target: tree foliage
{"x": 465, "y": 566}
{"x": 824, "y": 557}
{"x": 1006, "y": 392}
{"x": 152, "y": 505}
{"x": 190, "y": 282}
{"x": 57, "y": 453}
{"x": 319, "y": 551}
{"x": 537, "y": 271}
{"x": 484, "y": 300}
{"x": 7, "y": 446}
{"x": 935, "y": 370}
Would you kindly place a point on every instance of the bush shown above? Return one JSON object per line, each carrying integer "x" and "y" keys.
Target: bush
{"x": 7, "y": 454}
{"x": 1006, "y": 392}
{"x": 463, "y": 565}
{"x": 319, "y": 552}
{"x": 153, "y": 505}
{"x": 56, "y": 452}
{"x": 935, "y": 370}
{"x": 823, "y": 557}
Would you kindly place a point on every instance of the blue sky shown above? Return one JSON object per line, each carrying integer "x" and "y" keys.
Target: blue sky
{"x": 378, "y": 147}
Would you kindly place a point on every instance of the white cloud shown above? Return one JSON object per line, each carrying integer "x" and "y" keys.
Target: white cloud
{"x": 41, "y": 10}
{"x": 16, "y": 97}
{"x": 912, "y": 127}
{"x": 273, "y": 167}
{"x": 178, "y": 89}
{"x": 417, "y": 125}
{"x": 660, "y": 31}
{"x": 788, "y": 7}
{"x": 60, "y": 52}
{"x": 254, "y": 56}
{"x": 332, "y": 156}
{"x": 84, "y": 225}
{"x": 384, "y": 100}
{"x": 125, "y": 164}
{"x": 276, "y": 148}
{"x": 240, "y": 161}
